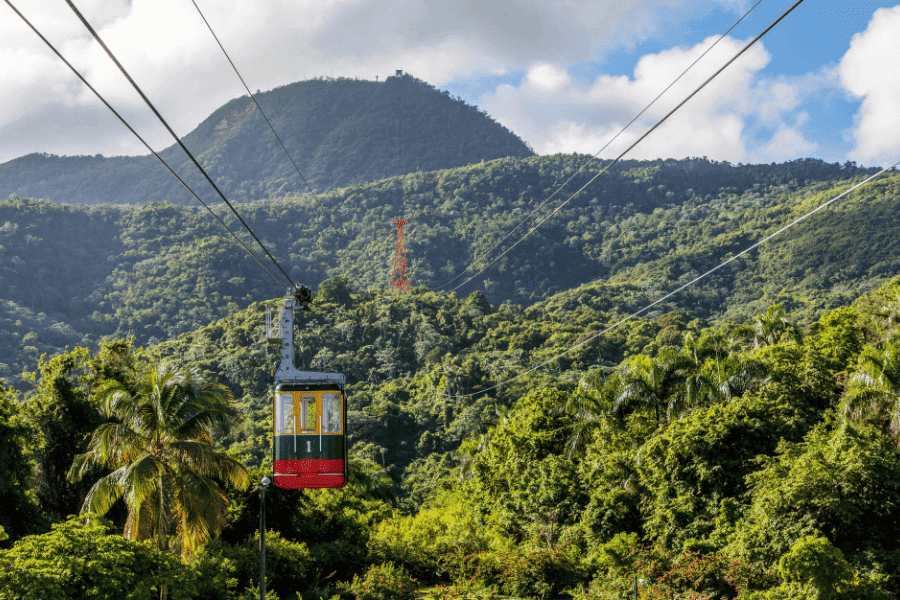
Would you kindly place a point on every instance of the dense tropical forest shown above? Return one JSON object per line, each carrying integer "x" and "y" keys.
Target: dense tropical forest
{"x": 677, "y": 457}
{"x": 740, "y": 440}
{"x": 659, "y": 392}
{"x": 71, "y": 274}
{"x": 339, "y": 131}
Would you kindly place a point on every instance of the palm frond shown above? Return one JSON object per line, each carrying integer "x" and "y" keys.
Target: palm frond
{"x": 202, "y": 422}
{"x": 142, "y": 479}
{"x": 113, "y": 397}
{"x": 862, "y": 379}
{"x": 205, "y": 461}
{"x": 112, "y": 444}
{"x": 105, "y": 492}
{"x": 200, "y": 507}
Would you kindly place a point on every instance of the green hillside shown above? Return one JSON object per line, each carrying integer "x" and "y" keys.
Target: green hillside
{"x": 626, "y": 403}
{"x": 339, "y": 131}
{"x": 711, "y": 462}
{"x": 72, "y": 274}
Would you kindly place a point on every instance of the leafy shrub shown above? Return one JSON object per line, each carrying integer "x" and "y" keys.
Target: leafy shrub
{"x": 384, "y": 581}
{"x": 438, "y": 541}
{"x": 813, "y": 560}
{"x": 77, "y": 560}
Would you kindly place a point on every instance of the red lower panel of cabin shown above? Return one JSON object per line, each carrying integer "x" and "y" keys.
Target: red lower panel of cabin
{"x": 300, "y": 474}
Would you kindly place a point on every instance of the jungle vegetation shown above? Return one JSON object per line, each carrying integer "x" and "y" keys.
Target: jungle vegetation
{"x": 742, "y": 440}
{"x": 72, "y": 274}
{"x": 752, "y": 458}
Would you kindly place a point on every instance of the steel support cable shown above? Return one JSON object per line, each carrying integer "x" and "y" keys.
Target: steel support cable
{"x": 683, "y": 286}
{"x": 140, "y": 138}
{"x": 644, "y": 136}
{"x": 253, "y": 96}
{"x": 609, "y": 142}
{"x": 177, "y": 139}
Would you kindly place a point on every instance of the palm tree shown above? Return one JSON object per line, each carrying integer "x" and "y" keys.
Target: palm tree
{"x": 720, "y": 379}
{"x": 648, "y": 381}
{"x": 158, "y": 443}
{"x": 889, "y": 312}
{"x": 589, "y": 407}
{"x": 770, "y": 327}
{"x": 873, "y": 391}
{"x": 693, "y": 353}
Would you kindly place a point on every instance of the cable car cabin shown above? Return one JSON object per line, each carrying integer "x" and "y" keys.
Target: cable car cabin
{"x": 310, "y": 448}
{"x": 309, "y": 416}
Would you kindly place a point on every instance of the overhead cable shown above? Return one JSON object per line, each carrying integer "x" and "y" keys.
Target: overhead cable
{"x": 684, "y": 286}
{"x": 597, "y": 154}
{"x": 644, "y": 136}
{"x": 178, "y": 140}
{"x": 140, "y": 138}
{"x": 253, "y": 97}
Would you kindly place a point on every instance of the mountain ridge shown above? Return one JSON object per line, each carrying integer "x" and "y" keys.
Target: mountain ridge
{"x": 168, "y": 269}
{"x": 340, "y": 131}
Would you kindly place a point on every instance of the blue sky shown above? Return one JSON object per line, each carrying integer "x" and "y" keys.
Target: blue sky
{"x": 564, "y": 75}
{"x": 818, "y": 36}
{"x": 810, "y": 42}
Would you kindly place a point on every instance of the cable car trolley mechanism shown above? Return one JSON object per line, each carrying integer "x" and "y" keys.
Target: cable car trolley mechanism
{"x": 309, "y": 443}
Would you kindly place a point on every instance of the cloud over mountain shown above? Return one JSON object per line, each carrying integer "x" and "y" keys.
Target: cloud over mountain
{"x": 166, "y": 46}
{"x": 871, "y": 70}
{"x": 740, "y": 116}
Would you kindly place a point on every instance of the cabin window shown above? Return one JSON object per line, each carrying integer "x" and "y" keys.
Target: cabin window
{"x": 308, "y": 413}
{"x": 285, "y": 413}
{"x": 331, "y": 413}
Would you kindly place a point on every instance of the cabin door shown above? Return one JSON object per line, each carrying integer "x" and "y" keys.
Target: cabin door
{"x": 309, "y": 427}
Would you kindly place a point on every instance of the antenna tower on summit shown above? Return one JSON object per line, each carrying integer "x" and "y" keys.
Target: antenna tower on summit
{"x": 400, "y": 264}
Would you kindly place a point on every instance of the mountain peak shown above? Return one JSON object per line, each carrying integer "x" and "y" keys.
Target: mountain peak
{"x": 340, "y": 131}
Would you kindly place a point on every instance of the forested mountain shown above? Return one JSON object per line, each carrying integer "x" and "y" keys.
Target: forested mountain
{"x": 339, "y": 131}
{"x": 69, "y": 275}
{"x": 754, "y": 459}
{"x": 516, "y": 433}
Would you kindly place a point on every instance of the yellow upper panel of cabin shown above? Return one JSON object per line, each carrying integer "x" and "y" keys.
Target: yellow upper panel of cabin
{"x": 315, "y": 412}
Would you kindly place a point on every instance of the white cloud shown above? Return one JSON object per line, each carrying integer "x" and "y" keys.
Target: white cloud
{"x": 166, "y": 46}
{"x": 871, "y": 70}
{"x": 724, "y": 121}
{"x": 787, "y": 142}
{"x": 548, "y": 77}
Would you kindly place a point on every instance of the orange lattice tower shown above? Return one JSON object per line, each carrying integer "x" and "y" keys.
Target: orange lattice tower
{"x": 400, "y": 264}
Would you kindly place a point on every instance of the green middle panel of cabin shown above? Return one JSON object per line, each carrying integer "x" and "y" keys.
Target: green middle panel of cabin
{"x": 298, "y": 447}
